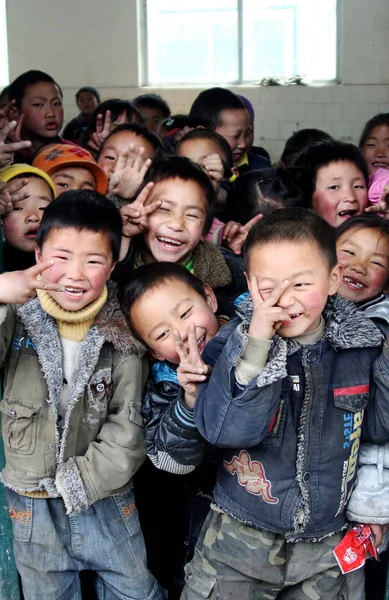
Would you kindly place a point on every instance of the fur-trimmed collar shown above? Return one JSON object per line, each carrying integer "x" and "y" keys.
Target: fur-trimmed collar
{"x": 110, "y": 322}
{"x": 345, "y": 326}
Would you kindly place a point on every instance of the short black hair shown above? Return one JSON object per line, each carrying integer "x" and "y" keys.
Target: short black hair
{"x": 380, "y": 119}
{"x": 82, "y": 209}
{"x": 17, "y": 89}
{"x": 91, "y": 90}
{"x": 207, "y": 134}
{"x": 320, "y": 154}
{"x": 299, "y": 141}
{"x": 149, "y": 277}
{"x": 295, "y": 225}
{"x": 140, "y": 131}
{"x": 205, "y": 110}
{"x": 261, "y": 191}
{"x": 116, "y": 106}
{"x": 180, "y": 167}
{"x": 153, "y": 101}
{"x": 365, "y": 221}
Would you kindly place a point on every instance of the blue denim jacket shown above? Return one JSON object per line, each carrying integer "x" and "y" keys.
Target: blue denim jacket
{"x": 291, "y": 437}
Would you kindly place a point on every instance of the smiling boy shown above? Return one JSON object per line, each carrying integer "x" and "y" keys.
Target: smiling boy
{"x": 73, "y": 387}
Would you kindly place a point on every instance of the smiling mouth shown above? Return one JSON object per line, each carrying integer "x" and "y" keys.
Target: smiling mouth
{"x": 380, "y": 165}
{"x": 169, "y": 243}
{"x": 353, "y": 283}
{"x": 292, "y": 318}
{"x": 74, "y": 292}
{"x": 348, "y": 213}
{"x": 201, "y": 343}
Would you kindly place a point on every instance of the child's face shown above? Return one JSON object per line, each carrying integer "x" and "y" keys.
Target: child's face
{"x": 73, "y": 178}
{"x": 171, "y": 306}
{"x": 82, "y": 264}
{"x": 42, "y": 110}
{"x": 234, "y": 126}
{"x": 115, "y": 145}
{"x": 376, "y": 148}
{"x": 198, "y": 150}
{"x": 153, "y": 117}
{"x": 87, "y": 102}
{"x": 364, "y": 254}
{"x": 176, "y": 228}
{"x": 311, "y": 282}
{"x": 21, "y": 224}
{"x": 340, "y": 192}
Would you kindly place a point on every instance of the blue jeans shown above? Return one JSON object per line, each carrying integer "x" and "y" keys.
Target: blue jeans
{"x": 51, "y": 548}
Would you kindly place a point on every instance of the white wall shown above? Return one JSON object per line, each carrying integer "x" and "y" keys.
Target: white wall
{"x": 90, "y": 42}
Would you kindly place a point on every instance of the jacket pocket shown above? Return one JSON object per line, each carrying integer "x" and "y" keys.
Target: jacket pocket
{"x": 351, "y": 398}
{"x": 277, "y": 425}
{"x": 19, "y": 425}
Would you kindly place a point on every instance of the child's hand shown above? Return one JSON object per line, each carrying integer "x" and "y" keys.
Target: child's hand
{"x": 129, "y": 173}
{"x": 382, "y": 206}
{"x": 19, "y": 286}
{"x": 214, "y": 167}
{"x": 235, "y": 234}
{"x": 191, "y": 371}
{"x": 267, "y": 316}
{"x": 7, "y": 150}
{"x": 103, "y": 128}
{"x": 10, "y": 192}
{"x": 378, "y": 532}
{"x": 135, "y": 215}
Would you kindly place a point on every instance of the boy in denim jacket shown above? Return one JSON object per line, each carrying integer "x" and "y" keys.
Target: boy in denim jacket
{"x": 287, "y": 374}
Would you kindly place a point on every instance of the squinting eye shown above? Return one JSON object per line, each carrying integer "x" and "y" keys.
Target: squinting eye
{"x": 64, "y": 185}
{"x": 162, "y": 335}
{"x": 186, "y": 313}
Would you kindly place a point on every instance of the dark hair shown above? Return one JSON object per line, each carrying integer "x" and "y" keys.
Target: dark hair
{"x": 261, "y": 192}
{"x": 205, "y": 110}
{"x": 207, "y": 134}
{"x": 365, "y": 221}
{"x": 140, "y": 131}
{"x": 91, "y": 90}
{"x": 116, "y": 108}
{"x": 178, "y": 121}
{"x": 4, "y": 95}
{"x": 295, "y": 225}
{"x": 150, "y": 276}
{"x": 306, "y": 166}
{"x": 180, "y": 167}
{"x": 299, "y": 141}
{"x": 381, "y": 119}
{"x": 17, "y": 89}
{"x": 82, "y": 209}
{"x": 153, "y": 101}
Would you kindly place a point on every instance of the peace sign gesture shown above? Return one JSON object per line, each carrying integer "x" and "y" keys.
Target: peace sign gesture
{"x": 11, "y": 129}
{"x": 19, "y": 286}
{"x": 103, "y": 129}
{"x": 10, "y": 193}
{"x": 267, "y": 317}
{"x": 129, "y": 173}
{"x": 192, "y": 370}
{"x": 135, "y": 215}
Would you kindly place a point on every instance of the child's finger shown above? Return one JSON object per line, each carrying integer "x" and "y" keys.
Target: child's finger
{"x": 250, "y": 224}
{"x": 150, "y": 208}
{"x": 194, "y": 354}
{"x": 254, "y": 291}
{"x": 276, "y": 294}
{"x": 179, "y": 346}
{"x": 36, "y": 270}
{"x": 145, "y": 193}
{"x": 6, "y": 130}
{"x": 145, "y": 167}
{"x": 16, "y": 186}
{"x": 107, "y": 123}
{"x": 139, "y": 158}
{"x": 18, "y": 130}
{"x": 99, "y": 123}
{"x": 51, "y": 287}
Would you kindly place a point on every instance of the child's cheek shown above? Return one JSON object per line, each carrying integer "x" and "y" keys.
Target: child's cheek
{"x": 12, "y": 228}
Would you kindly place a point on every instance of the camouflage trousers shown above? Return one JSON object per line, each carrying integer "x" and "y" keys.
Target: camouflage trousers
{"x": 235, "y": 562}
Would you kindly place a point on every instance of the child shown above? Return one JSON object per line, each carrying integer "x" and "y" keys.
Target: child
{"x": 37, "y": 101}
{"x": 72, "y": 168}
{"x": 87, "y": 99}
{"x": 174, "y": 231}
{"x": 333, "y": 179}
{"x": 73, "y": 384}
{"x": 106, "y": 117}
{"x": 29, "y": 191}
{"x": 374, "y": 142}
{"x": 299, "y": 141}
{"x": 285, "y": 374}
{"x": 153, "y": 109}
{"x": 171, "y": 311}
{"x": 222, "y": 111}
{"x": 251, "y": 149}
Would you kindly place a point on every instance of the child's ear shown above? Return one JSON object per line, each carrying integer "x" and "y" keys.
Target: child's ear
{"x": 210, "y": 297}
{"x": 155, "y": 354}
{"x": 335, "y": 279}
{"x": 38, "y": 254}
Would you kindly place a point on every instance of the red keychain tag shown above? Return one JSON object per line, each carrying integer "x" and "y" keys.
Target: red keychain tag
{"x": 352, "y": 551}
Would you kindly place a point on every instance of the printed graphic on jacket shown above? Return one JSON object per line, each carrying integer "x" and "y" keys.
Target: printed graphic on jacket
{"x": 251, "y": 475}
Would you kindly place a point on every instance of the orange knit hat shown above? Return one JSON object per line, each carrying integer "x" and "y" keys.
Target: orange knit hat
{"x": 61, "y": 155}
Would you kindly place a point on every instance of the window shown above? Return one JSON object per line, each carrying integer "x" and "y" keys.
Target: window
{"x": 238, "y": 41}
{"x": 4, "y": 74}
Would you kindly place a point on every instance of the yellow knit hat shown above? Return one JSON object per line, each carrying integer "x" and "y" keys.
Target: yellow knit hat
{"x": 21, "y": 169}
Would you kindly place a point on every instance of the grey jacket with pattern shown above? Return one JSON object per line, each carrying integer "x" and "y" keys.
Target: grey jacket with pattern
{"x": 102, "y": 442}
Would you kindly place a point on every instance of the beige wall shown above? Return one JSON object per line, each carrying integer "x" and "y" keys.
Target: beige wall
{"x": 88, "y": 42}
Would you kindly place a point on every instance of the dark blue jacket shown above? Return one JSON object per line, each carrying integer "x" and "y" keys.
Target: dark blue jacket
{"x": 292, "y": 436}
